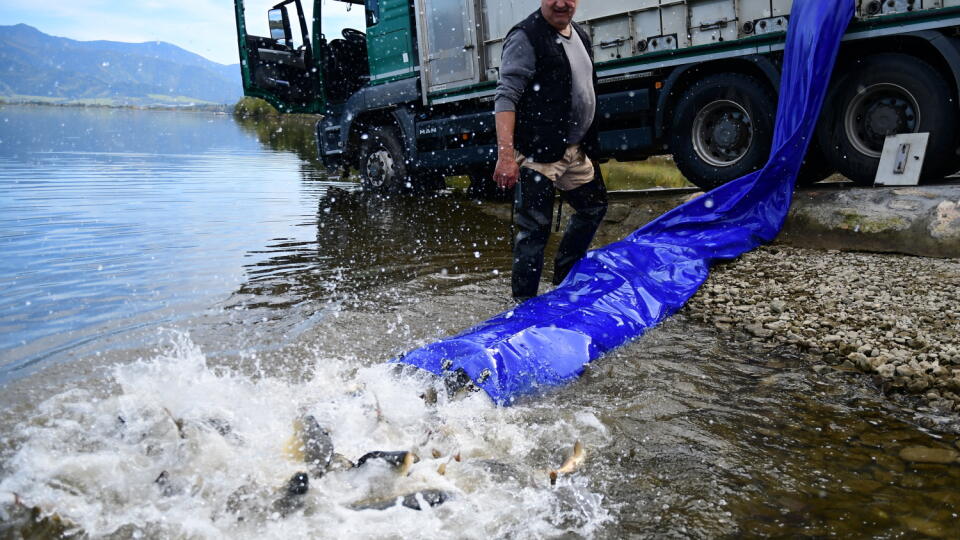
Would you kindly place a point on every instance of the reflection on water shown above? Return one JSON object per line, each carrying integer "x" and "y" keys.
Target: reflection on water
{"x": 364, "y": 242}
{"x": 295, "y": 133}
{"x": 286, "y": 296}
{"x": 112, "y": 219}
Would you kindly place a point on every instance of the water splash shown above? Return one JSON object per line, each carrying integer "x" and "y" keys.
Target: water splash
{"x": 181, "y": 448}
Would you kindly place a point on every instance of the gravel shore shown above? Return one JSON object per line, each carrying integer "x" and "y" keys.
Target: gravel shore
{"x": 893, "y": 316}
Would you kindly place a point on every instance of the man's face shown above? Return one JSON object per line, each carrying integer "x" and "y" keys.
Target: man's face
{"x": 558, "y": 13}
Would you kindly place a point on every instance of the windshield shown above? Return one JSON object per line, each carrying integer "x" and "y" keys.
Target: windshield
{"x": 336, "y": 17}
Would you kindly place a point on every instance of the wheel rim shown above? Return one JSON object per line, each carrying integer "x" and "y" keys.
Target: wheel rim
{"x": 878, "y": 111}
{"x": 722, "y": 133}
{"x": 380, "y": 168}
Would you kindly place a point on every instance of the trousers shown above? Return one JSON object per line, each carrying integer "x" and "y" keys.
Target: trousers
{"x": 533, "y": 213}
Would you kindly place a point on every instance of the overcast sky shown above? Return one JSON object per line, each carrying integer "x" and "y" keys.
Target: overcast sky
{"x": 205, "y": 27}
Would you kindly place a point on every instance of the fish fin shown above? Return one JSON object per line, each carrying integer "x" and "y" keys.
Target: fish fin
{"x": 294, "y": 448}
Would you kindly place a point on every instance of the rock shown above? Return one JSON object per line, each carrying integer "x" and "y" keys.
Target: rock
{"x": 906, "y": 371}
{"x": 918, "y": 385}
{"x": 617, "y": 212}
{"x": 860, "y": 360}
{"x": 947, "y": 498}
{"x": 926, "y": 454}
{"x": 758, "y": 331}
{"x": 778, "y": 306}
{"x": 924, "y": 527}
{"x": 946, "y": 221}
{"x": 886, "y": 371}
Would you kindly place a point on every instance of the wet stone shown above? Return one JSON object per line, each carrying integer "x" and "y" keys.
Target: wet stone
{"x": 863, "y": 485}
{"x": 925, "y": 454}
{"x": 918, "y": 482}
{"x": 758, "y": 331}
{"x": 948, "y": 498}
{"x": 617, "y": 212}
{"x": 926, "y": 527}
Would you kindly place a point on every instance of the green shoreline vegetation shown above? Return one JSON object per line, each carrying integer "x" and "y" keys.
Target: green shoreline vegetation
{"x": 153, "y": 102}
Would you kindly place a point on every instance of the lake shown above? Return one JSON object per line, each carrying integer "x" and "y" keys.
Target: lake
{"x": 179, "y": 288}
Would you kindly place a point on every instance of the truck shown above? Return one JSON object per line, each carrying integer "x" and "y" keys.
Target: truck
{"x": 408, "y": 99}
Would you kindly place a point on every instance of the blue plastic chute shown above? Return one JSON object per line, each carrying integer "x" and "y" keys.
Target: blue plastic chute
{"x": 619, "y": 291}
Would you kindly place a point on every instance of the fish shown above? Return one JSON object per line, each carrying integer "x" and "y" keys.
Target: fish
{"x": 163, "y": 482}
{"x": 432, "y": 497}
{"x": 458, "y": 384}
{"x": 442, "y": 469}
{"x": 571, "y": 464}
{"x": 21, "y": 520}
{"x": 310, "y": 444}
{"x": 178, "y": 422}
{"x": 430, "y": 396}
{"x": 291, "y": 499}
{"x": 401, "y": 461}
{"x": 340, "y": 463}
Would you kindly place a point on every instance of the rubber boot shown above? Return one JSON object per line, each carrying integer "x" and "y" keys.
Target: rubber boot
{"x": 590, "y": 203}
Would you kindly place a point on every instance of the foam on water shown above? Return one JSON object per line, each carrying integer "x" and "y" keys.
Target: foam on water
{"x": 95, "y": 460}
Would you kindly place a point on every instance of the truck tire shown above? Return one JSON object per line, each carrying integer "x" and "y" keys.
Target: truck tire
{"x": 723, "y": 126}
{"x": 814, "y": 167}
{"x": 887, "y": 94}
{"x": 383, "y": 166}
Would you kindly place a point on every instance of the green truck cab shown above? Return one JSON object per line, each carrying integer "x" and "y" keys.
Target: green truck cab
{"x": 408, "y": 98}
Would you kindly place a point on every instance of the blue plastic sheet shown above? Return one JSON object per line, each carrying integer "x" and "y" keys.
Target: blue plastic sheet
{"x": 617, "y": 292}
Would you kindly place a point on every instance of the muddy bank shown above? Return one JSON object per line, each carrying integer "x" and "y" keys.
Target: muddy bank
{"x": 893, "y": 317}
{"x": 891, "y": 313}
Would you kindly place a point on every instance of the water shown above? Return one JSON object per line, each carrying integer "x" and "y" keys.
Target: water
{"x": 179, "y": 288}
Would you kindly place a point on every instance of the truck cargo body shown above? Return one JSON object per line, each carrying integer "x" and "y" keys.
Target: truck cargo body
{"x": 693, "y": 78}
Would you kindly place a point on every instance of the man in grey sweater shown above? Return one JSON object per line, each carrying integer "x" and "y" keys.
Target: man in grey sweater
{"x": 546, "y": 106}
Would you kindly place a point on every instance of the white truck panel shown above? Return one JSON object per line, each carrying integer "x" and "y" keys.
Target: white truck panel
{"x": 780, "y": 7}
{"x": 619, "y": 29}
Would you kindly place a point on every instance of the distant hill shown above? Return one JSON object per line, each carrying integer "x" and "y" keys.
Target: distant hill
{"x": 38, "y": 67}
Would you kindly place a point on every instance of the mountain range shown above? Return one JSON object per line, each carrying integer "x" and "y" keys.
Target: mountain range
{"x": 38, "y": 67}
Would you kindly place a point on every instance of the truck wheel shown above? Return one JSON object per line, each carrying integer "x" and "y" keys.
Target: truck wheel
{"x": 722, "y": 129}
{"x": 383, "y": 167}
{"x": 814, "y": 167}
{"x": 887, "y": 94}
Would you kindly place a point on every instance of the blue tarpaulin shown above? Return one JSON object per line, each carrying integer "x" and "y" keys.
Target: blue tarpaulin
{"x": 619, "y": 291}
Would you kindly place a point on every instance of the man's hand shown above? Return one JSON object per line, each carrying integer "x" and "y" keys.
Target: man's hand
{"x": 507, "y": 172}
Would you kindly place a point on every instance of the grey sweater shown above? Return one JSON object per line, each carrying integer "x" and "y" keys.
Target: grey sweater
{"x": 517, "y": 67}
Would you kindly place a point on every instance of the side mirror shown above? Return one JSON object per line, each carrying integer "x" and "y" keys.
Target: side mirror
{"x": 279, "y": 25}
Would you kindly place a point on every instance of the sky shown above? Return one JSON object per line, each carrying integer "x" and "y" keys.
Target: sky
{"x": 205, "y": 27}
